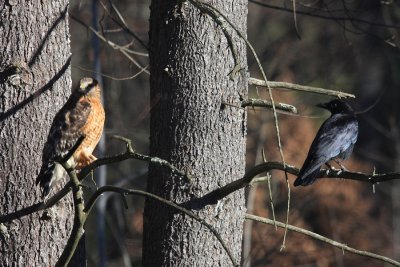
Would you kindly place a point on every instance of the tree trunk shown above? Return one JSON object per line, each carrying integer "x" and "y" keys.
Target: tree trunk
{"x": 35, "y": 81}
{"x": 191, "y": 61}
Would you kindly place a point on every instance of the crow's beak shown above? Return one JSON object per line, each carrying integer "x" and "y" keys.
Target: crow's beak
{"x": 322, "y": 105}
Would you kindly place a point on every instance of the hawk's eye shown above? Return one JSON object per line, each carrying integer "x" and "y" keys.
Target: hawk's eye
{"x": 90, "y": 86}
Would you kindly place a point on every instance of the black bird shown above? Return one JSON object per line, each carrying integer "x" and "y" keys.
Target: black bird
{"x": 334, "y": 140}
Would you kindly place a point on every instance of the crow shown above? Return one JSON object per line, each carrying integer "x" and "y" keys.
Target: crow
{"x": 335, "y": 140}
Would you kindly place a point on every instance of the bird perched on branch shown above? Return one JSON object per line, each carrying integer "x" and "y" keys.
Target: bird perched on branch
{"x": 81, "y": 116}
{"x": 334, "y": 140}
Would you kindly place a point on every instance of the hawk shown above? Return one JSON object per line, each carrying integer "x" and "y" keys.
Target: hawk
{"x": 81, "y": 116}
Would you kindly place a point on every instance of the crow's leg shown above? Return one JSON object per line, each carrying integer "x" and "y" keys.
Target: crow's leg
{"x": 328, "y": 165}
{"x": 342, "y": 167}
{"x": 330, "y": 168}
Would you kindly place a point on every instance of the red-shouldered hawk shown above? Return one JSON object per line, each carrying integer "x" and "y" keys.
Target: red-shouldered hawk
{"x": 82, "y": 115}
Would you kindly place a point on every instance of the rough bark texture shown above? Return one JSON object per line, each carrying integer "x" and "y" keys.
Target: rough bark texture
{"x": 190, "y": 127}
{"x": 35, "y": 81}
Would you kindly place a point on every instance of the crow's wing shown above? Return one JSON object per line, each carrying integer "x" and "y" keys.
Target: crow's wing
{"x": 336, "y": 137}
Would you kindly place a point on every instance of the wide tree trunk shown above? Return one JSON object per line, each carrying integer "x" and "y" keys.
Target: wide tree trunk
{"x": 35, "y": 81}
{"x": 191, "y": 62}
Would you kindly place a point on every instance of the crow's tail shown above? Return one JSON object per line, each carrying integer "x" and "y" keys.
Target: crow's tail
{"x": 307, "y": 180}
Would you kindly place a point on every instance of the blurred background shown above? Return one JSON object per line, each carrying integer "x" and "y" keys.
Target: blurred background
{"x": 350, "y": 46}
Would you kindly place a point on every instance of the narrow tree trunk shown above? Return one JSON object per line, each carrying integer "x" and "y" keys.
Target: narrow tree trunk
{"x": 35, "y": 81}
{"x": 190, "y": 65}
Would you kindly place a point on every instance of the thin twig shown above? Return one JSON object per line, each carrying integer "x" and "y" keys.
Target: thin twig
{"x": 112, "y": 77}
{"x": 124, "y": 26}
{"x": 110, "y": 43}
{"x": 334, "y": 243}
{"x": 295, "y": 19}
{"x": 119, "y": 48}
{"x": 269, "y": 189}
{"x": 317, "y": 15}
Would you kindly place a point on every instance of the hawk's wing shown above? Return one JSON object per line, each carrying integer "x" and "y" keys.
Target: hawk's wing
{"x": 65, "y": 131}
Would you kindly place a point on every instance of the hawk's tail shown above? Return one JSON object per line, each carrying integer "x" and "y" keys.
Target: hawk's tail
{"x": 44, "y": 178}
{"x": 307, "y": 180}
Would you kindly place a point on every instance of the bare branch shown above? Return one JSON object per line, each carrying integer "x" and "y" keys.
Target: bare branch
{"x": 79, "y": 221}
{"x": 214, "y": 196}
{"x": 334, "y": 243}
{"x": 129, "y": 154}
{"x": 79, "y": 215}
{"x": 124, "y": 192}
{"x": 281, "y": 107}
{"x": 268, "y": 104}
{"x": 303, "y": 88}
{"x": 210, "y": 198}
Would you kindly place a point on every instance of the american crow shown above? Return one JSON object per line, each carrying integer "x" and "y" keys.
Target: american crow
{"x": 334, "y": 140}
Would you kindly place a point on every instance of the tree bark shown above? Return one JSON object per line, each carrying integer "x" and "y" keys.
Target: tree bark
{"x": 191, "y": 60}
{"x": 35, "y": 81}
